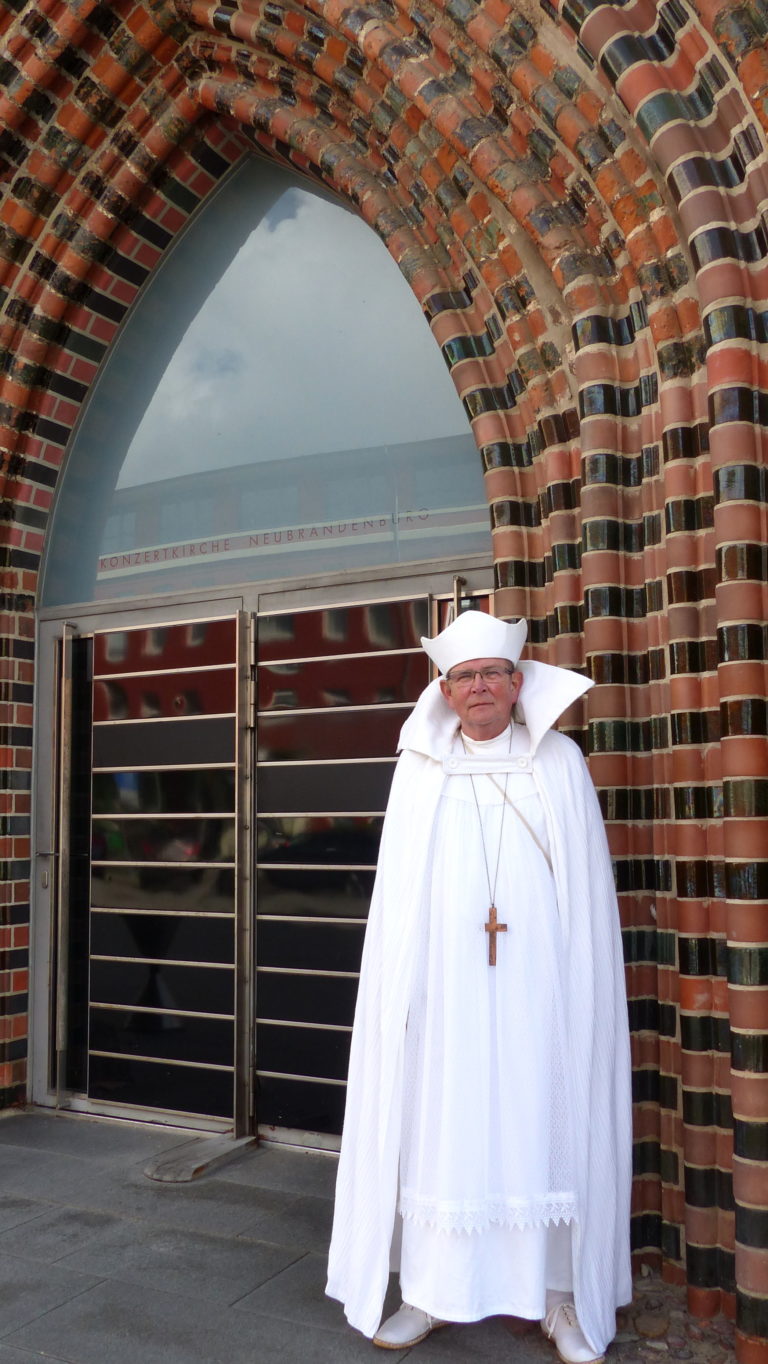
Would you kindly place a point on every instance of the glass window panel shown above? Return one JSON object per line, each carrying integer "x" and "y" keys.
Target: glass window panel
{"x": 178, "y": 937}
{"x": 345, "y": 840}
{"x": 172, "y": 989}
{"x": 305, "y": 999}
{"x": 164, "y": 792}
{"x": 343, "y": 630}
{"x": 324, "y": 788}
{"x": 165, "y": 840}
{"x": 182, "y": 888}
{"x": 204, "y": 459}
{"x": 335, "y": 734}
{"x": 343, "y": 682}
{"x": 314, "y": 947}
{"x": 195, "y": 644}
{"x": 160, "y": 1084}
{"x": 163, "y": 741}
{"x": 323, "y": 893}
{"x": 302, "y": 1104}
{"x": 168, "y": 696}
{"x": 303, "y": 1051}
{"x": 207, "y": 1041}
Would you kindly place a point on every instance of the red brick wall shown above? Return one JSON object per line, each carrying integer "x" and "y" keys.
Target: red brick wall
{"x": 575, "y": 194}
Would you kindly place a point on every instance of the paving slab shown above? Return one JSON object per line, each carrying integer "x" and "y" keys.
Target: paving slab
{"x": 304, "y": 1222}
{"x": 26, "y": 1293}
{"x": 15, "y": 1210}
{"x": 298, "y": 1294}
{"x": 217, "y": 1269}
{"x": 57, "y": 1232}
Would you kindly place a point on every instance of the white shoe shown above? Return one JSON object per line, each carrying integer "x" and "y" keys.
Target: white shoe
{"x": 407, "y": 1326}
{"x": 561, "y": 1326}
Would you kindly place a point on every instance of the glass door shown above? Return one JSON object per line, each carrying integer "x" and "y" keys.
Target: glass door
{"x": 335, "y": 685}
{"x": 150, "y": 979}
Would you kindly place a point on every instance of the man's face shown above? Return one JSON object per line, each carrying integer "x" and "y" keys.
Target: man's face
{"x": 483, "y": 704}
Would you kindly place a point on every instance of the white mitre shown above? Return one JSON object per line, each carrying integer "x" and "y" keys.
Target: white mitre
{"x": 473, "y": 634}
{"x": 546, "y": 692}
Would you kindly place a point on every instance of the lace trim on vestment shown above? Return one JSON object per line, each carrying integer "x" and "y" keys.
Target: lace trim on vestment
{"x": 470, "y": 1215}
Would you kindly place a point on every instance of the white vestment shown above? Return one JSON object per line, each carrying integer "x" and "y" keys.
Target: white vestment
{"x": 487, "y": 1104}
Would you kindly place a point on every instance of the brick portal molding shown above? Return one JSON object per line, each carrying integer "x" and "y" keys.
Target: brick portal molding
{"x": 577, "y": 194}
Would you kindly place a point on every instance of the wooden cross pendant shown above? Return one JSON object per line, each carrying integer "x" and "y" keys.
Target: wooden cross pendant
{"x": 492, "y": 928}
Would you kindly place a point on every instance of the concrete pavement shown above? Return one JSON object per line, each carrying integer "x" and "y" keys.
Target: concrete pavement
{"x": 101, "y": 1265}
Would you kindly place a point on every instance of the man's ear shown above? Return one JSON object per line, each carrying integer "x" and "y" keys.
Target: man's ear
{"x": 445, "y": 689}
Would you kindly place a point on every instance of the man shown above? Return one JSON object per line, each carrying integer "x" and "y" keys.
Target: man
{"x": 487, "y": 1141}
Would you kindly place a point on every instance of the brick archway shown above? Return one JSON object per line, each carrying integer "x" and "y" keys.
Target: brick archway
{"x": 576, "y": 197}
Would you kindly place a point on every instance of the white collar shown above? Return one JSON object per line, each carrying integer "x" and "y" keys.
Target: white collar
{"x": 547, "y": 691}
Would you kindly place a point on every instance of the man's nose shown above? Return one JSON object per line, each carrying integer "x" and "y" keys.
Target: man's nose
{"x": 478, "y": 681}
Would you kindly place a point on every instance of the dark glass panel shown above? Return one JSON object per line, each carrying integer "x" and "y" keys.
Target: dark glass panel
{"x": 314, "y": 947}
{"x": 305, "y": 999}
{"x": 344, "y": 630}
{"x": 164, "y": 741}
{"x": 176, "y": 937}
{"x": 157, "y": 1084}
{"x": 346, "y": 840}
{"x": 183, "y": 889}
{"x": 198, "y": 644}
{"x": 166, "y": 695}
{"x": 372, "y": 681}
{"x": 163, "y": 840}
{"x": 327, "y": 894}
{"x": 308, "y": 1106}
{"x": 168, "y": 1037}
{"x": 325, "y": 788}
{"x": 303, "y": 1051}
{"x": 333, "y": 734}
{"x": 171, "y": 988}
{"x": 158, "y": 792}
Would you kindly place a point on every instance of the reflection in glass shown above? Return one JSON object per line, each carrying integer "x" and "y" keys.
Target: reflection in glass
{"x": 195, "y": 644}
{"x": 325, "y": 631}
{"x": 332, "y": 894}
{"x": 346, "y": 840}
{"x": 203, "y": 458}
{"x": 372, "y": 681}
{"x": 166, "y": 840}
{"x": 372, "y": 733}
{"x": 182, "y": 888}
{"x": 210, "y": 691}
{"x": 164, "y": 792}
{"x": 331, "y": 787}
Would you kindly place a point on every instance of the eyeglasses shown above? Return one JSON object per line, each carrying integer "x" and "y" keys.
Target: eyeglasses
{"x": 466, "y": 678}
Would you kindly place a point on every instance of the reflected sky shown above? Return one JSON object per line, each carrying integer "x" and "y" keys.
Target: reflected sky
{"x": 309, "y": 341}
